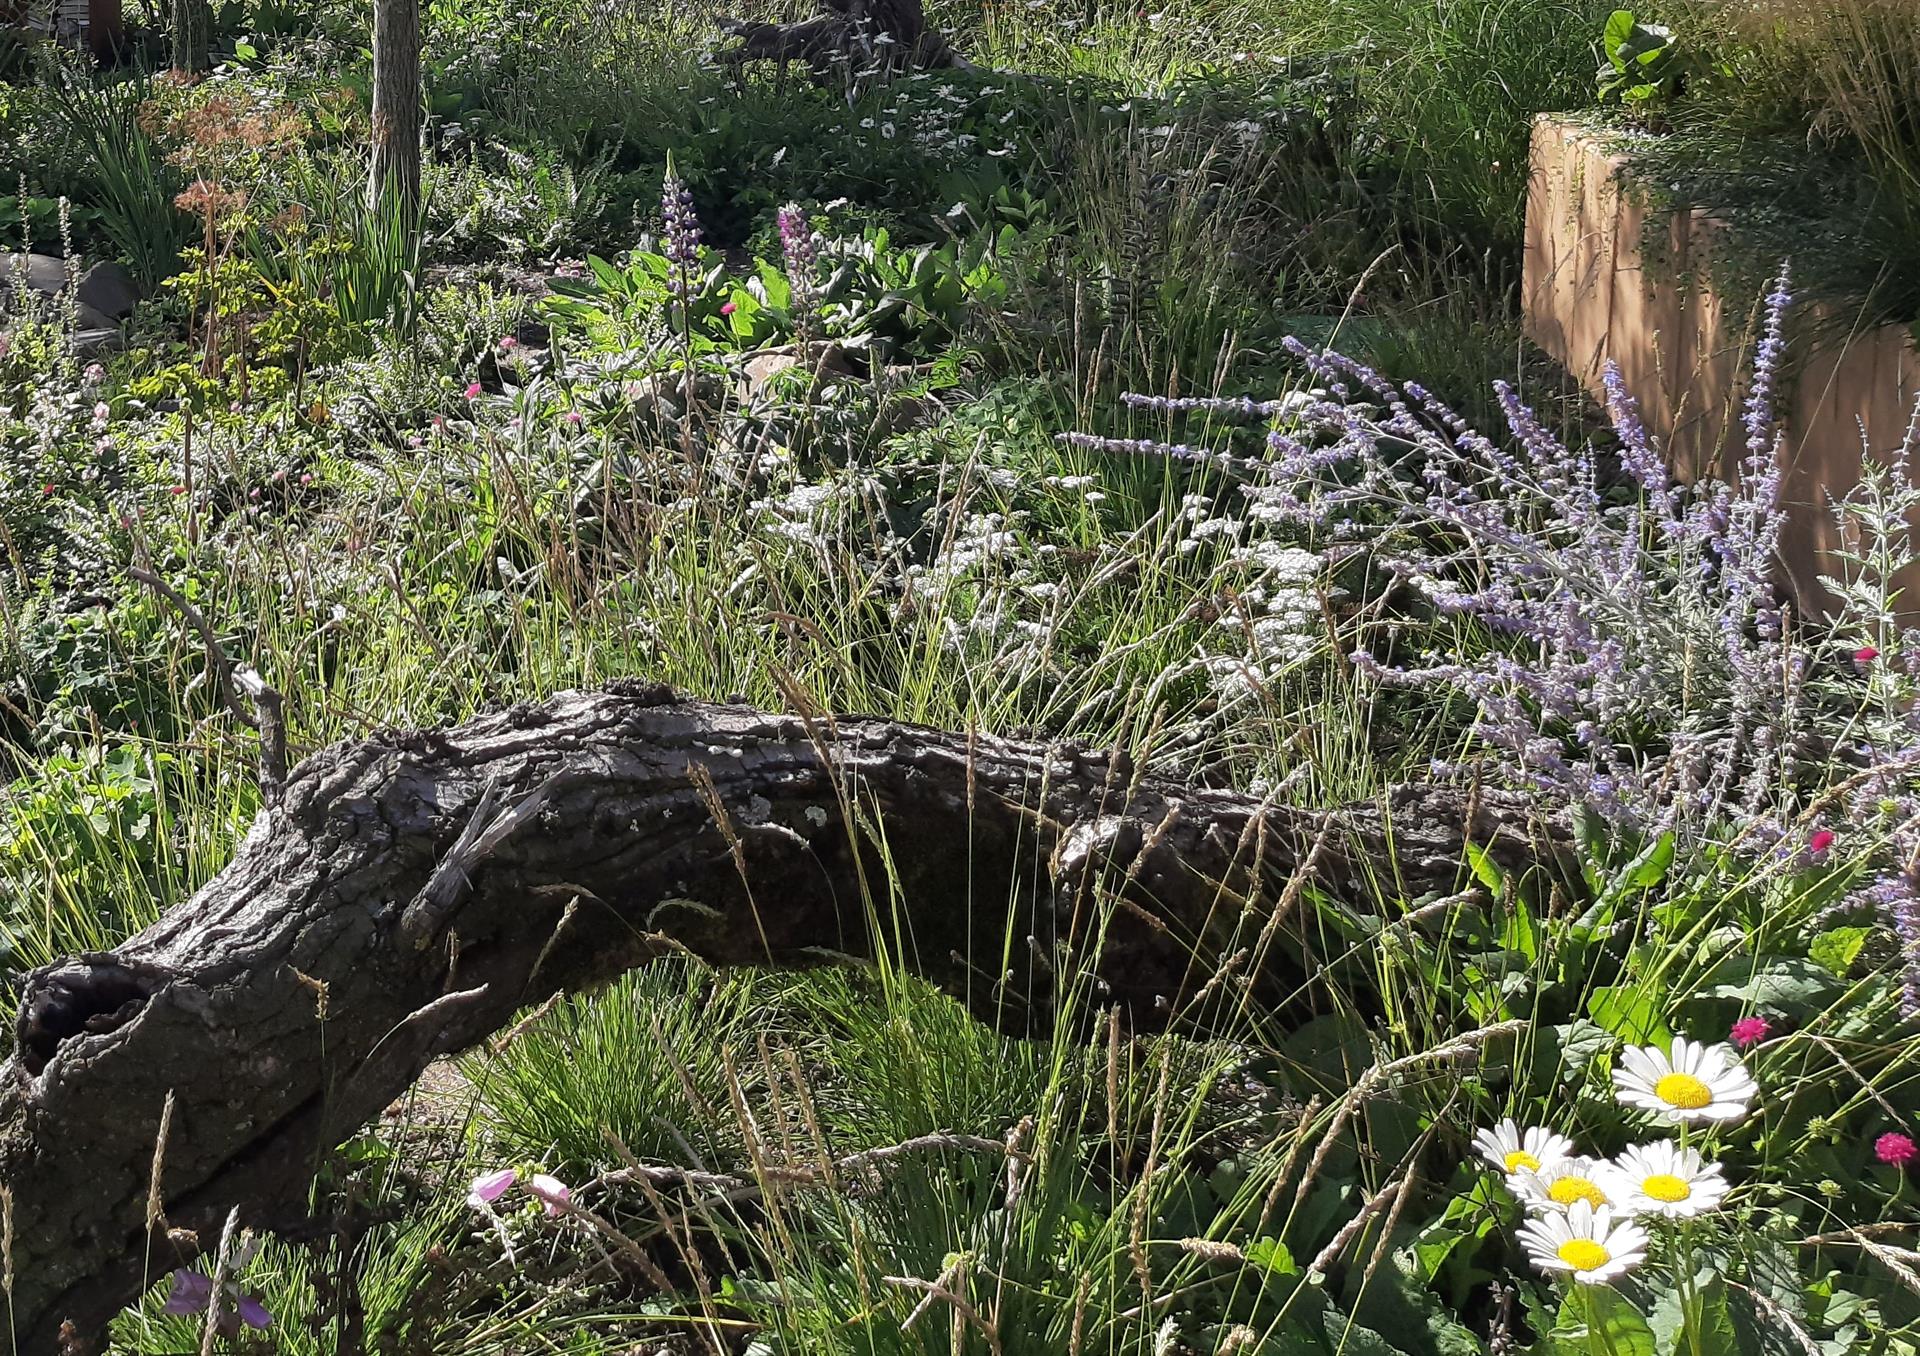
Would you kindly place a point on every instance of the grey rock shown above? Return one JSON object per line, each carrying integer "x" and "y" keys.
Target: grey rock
{"x": 106, "y": 292}
{"x": 89, "y": 342}
{"x": 109, "y": 289}
{"x": 88, "y": 318}
{"x": 45, "y": 274}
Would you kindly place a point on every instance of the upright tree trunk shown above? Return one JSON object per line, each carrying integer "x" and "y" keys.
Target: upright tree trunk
{"x": 192, "y": 36}
{"x": 394, "y": 183}
{"x": 106, "y": 31}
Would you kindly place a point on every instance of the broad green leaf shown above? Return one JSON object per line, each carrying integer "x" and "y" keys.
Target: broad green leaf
{"x": 1518, "y": 931}
{"x": 1791, "y": 984}
{"x": 1629, "y": 1012}
{"x": 1619, "y": 28}
{"x": 1696, "y": 1324}
{"x": 1485, "y": 869}
{"x": 1837, "y": 948}
{"x": 1650, "y": 867}
{"x": 1596, "y": 1321}
{"x": 1270, "y": 1254}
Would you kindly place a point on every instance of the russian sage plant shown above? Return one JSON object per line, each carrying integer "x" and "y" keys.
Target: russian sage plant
{"x": 1622, "y": 636}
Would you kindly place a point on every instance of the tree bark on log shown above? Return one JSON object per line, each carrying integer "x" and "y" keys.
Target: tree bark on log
{"x": 407, "y": 894}
{"x": 884, "y": 37}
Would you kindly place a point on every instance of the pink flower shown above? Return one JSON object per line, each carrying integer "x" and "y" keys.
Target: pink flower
{"x": 729, "y": 308}
{"x": 491, "y": 1186}
{"x": 1895, "y": 1150}
{"x": 473, "y": 390}
{"x": 176, "y": 489}
{"x": 509, "y": 344}
{"x": 102, "y": 412}
{"x": 1866, "y": 654}
{"x": 552, "y": 1192}
{"x": 47, "y": 488}
{"x": 439, "y": 422}
{"x": 306, "y": 477}
{"x": 1749, "y": 1032}
{"x": 1821, "y": 840}
{"x": 575, "y": 418}
{"x": 549, "y": 1191}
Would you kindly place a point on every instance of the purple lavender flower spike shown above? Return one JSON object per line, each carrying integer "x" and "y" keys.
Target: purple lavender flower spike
{"x": 800, "y": 249}
{"x": 680, "y": 240}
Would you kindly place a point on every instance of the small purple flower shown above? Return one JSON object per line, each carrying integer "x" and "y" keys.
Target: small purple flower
{"x": 192, "y": 1293}
{"x": 488, "y": 1188}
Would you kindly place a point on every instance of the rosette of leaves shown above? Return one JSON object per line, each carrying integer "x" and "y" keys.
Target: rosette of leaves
{"x": 1646, "y": 66}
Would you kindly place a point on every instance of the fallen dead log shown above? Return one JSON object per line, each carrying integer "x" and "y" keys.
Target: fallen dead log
{"x": 405, "y": 895}
{"x": 864, "y": 37}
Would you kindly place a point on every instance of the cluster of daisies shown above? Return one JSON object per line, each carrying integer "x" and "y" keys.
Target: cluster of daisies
{"x": 1586, "y": 1213}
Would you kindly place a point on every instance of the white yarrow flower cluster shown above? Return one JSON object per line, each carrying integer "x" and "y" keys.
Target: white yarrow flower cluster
{"x": 1586, "y": 1213}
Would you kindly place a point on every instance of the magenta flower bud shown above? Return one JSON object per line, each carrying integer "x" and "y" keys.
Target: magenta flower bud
{"x": 1895, "y": 1150}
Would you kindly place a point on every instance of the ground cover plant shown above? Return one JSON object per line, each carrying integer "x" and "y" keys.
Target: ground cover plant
{"x": 1133, "y": 388}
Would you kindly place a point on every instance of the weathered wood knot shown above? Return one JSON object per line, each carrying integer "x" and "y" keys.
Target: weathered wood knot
{"x": 92, "y": 995}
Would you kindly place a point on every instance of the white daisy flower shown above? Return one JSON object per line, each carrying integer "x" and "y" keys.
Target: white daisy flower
{"x": 1697, "y": 1084}
{"x": 1511, "y": 1149}
{"x": 1666, "y": 1179}
{"x": 1565, "y": 1182}
{"x": 1593, "y": 1245}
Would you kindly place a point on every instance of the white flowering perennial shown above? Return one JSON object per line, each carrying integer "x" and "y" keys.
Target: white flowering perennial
{"x": 1668, "y": 1180}
{"x": 1587, "y": 1216}
{"x": 1696, "y": 1084}
{"x": 1566, "y": 1182}
{"x": 1593, "y": 1245}
{"x": 1513, "y": 1150}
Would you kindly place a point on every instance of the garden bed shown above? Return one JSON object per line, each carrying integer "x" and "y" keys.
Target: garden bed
{"x": 1613, "y": 276}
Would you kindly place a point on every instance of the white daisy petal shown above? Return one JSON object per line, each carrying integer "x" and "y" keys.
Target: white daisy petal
{"x": 1565, "y": 1182}
{"x": 1668, "y": 1181}
{"x": 1511, "y": 1149}
{"x": 1694, "y": 1084}
{"x": 1592, "y": 1245}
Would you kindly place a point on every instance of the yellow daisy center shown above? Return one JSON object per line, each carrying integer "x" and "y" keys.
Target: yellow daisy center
{"x": 1567, "y": 1190}
{"x": 1583, "y": 1254}
{"x": 1664, "y": 1186}
{"x": 1684, "y": 1091}
{"x": 1519, "y": 1159}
